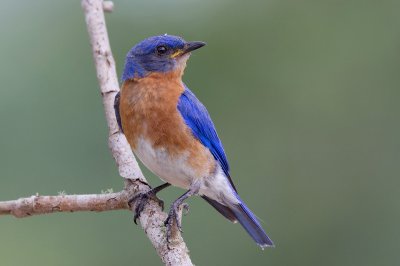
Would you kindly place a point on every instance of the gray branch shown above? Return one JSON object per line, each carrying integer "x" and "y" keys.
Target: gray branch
{"x": 38, "y": 204}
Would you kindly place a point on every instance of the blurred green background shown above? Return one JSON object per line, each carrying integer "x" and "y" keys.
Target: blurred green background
{"x": 305, "y": 97}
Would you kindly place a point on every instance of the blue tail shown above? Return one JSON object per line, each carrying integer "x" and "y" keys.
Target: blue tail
{"x": 250, "y": 223}
{"x": 240, "y": 212}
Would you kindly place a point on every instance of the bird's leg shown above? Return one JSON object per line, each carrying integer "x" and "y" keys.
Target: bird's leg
{"x": 141, "y": 200}
{"x": 173, "y": 216}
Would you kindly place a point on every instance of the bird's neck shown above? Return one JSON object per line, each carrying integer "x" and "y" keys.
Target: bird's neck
{"x": 158, "y": 87}
{"x": 134, "y": 70}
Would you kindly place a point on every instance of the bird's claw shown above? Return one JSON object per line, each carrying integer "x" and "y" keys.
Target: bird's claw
{"x": 174, "y": 219}
{"x": 141, "y": 200}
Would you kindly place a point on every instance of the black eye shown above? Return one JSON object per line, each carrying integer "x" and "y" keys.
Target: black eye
{"x": 161, "y": 49}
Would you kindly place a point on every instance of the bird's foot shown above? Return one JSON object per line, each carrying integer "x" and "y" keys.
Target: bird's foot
{"x": 141, "y": 200}
{"x": 173, "y": 222}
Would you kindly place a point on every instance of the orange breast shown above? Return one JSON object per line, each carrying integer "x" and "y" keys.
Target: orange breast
{"x": 148, "y": 109}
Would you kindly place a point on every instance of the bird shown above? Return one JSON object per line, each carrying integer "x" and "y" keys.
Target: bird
{"x": 172, "y": 133}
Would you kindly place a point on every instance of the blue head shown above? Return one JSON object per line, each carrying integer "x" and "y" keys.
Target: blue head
{"x": 162, "y": 53}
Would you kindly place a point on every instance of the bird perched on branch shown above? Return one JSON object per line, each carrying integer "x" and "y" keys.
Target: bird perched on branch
{"x": 171, "y": 132}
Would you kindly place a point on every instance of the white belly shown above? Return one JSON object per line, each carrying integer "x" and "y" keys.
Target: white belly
{"x": 172, "y": 169}
{"x": 176, "y": 171}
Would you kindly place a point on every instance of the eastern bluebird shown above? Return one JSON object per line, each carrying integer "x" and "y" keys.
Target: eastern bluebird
{"x": 171, "y": 132}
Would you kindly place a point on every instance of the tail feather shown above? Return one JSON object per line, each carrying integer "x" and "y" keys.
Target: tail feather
{"x": 222, "y": 209}
{"x": 240, "y": 212}
{"x": 251, "y": 224}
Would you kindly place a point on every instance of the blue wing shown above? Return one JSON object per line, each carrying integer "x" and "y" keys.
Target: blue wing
{"x": 197, "y": 118}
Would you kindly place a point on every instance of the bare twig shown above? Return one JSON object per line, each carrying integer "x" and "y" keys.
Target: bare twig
{"x": 37, "y": 204}
{"x": 152, "y": 218}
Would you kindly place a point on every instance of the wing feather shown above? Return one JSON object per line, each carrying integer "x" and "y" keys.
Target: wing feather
{"x": 199, "y": 121}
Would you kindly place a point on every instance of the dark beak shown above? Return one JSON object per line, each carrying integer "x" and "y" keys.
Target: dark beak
{"x": 191, "y": 46}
